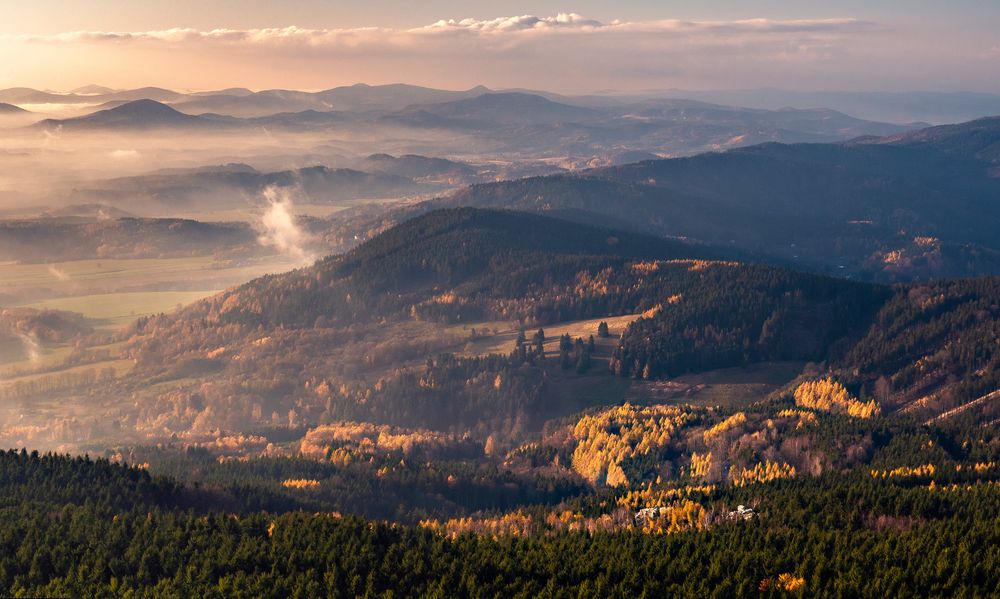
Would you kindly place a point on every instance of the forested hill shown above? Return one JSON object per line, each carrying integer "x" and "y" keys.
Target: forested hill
{"x": 934, "y": 349}
{"x": 450, "y": 247}
{"x": 477, "y": 255}
{"x": 912, "y": 206}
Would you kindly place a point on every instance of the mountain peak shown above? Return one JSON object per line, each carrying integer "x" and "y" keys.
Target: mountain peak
{"x": 93, "y": 89}
{"x": 137, "y": 114}
{"x": 144, "y": 106}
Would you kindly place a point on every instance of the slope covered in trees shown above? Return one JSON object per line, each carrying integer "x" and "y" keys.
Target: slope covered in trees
{"x": 934, "y": 347}
{"x": 729, "y": 315}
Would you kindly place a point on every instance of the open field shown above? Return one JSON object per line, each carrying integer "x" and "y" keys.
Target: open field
{"x": 13, "y": 355}
{"x": 114, "y": 310}
{"x": 51, "y": 359}
{"x": 499, "y": 337}
{"x": 82, "y": 271}
{"x": 34, "y": 282}
{"x": 727, "y": 387}
{"x": 115, "y": 292}
{"x": 120, "y": 367}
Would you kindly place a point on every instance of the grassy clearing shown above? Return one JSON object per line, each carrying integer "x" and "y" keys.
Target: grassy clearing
{"x": 92, "y": 277}
{"x": 11, "y": 350}
{"x": 499, "y": 337}
{"x": 726, "y": 387}
{"x": 51, "y": 359}
{"x": 114, "y": 310}
{"x": 20, "y": 275}
{"x": 120, "y": 366}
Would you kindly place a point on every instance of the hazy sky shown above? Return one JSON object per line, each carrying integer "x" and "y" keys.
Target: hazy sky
{"x": 577, "y": 46}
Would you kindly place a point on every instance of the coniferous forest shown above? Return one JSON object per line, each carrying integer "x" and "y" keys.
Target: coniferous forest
{"x": 81, "y": 527}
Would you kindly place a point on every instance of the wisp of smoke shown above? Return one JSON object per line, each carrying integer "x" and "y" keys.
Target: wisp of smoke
{"x": 31, "y": 346}
{"x": 278, "y": 228}
{"x": 59, "y": 274}
{"x": 124, "y": 154}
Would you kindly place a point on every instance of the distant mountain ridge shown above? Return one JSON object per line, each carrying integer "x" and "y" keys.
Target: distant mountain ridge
{"x": 514, "y": 122}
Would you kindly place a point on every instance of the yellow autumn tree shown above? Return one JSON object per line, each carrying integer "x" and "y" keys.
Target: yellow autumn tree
{"x": 830, "y": 396}
{"x": 701, "y": 464}
{"x": 762, "y": 472}
{"x": 736, "y": 420}
{"x": 608, "y": 438}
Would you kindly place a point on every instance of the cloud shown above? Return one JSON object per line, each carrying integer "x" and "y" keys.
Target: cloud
{"x": 486, "y": 28}
{"x": 512, "y": 24}
{"x": 566, "y": 52}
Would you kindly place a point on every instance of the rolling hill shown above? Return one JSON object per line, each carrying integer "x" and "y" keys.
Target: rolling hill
{"x": 388, "y": 334}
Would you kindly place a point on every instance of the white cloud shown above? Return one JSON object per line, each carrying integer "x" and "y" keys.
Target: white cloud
{"x": 566, "y": 52}
{"x": 523, "y": 24}
{"x": 520, "y": 23}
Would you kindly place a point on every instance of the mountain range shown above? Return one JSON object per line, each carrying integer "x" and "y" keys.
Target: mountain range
{"x": 510, "y": 122}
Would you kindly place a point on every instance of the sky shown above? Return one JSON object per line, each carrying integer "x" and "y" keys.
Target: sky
{"x": 579, "y": 46}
